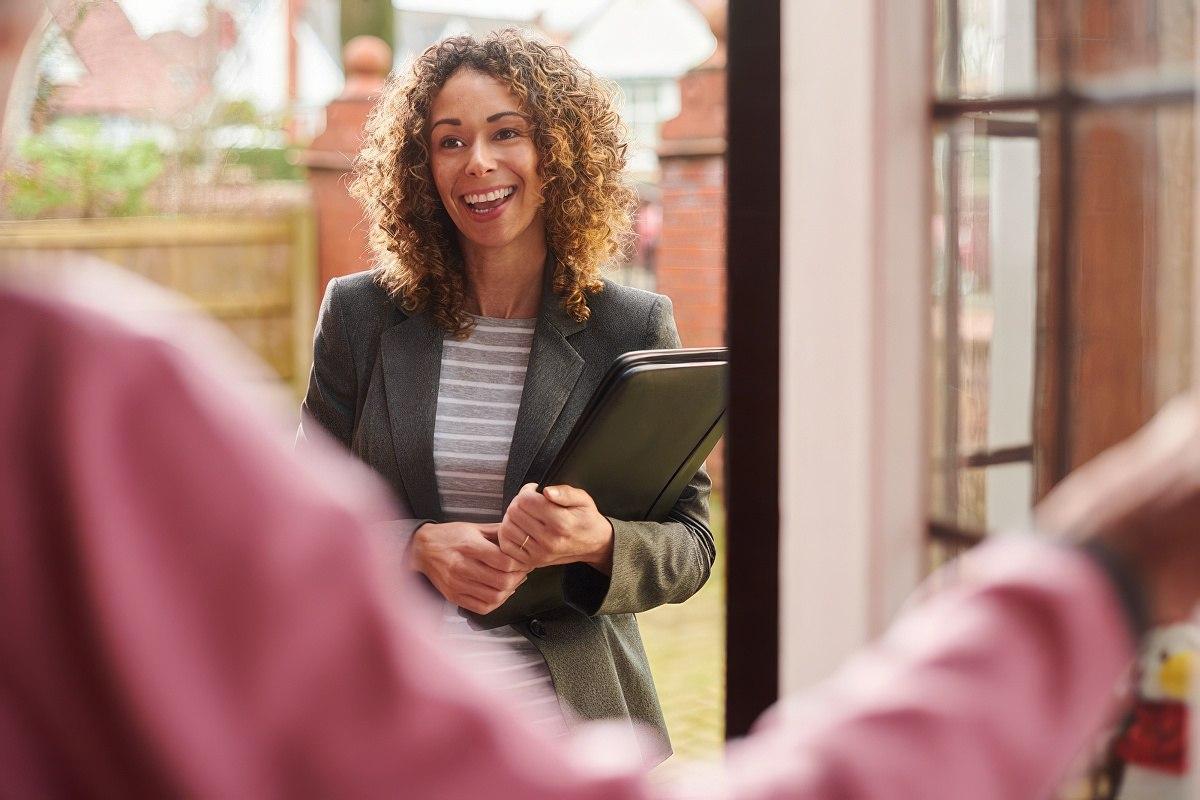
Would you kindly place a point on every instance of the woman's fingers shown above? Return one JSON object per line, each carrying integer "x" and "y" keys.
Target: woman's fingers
{"x": 478, "y": 605}
{"x": 499, "y": 559}
{"x": 520, "y": 535}
{"x": 489, "y": 577}
{"x": 481, "y": 589}
{"x": 519, "y": 516}
{"x": 543, "y": 519}
{"x": 568, "y": 496}
{"x": 562, "y": 531}
{"x": 505, "y": 535}
{"x": 488, "y": 549}
{"x": 557, "y": 526}
{"x": 533, "y": 540}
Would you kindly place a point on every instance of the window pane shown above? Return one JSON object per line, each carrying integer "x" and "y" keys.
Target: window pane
{"x": 983, "y": 322}
{"x": 985, "y": 48}
{"x": 1008, "y": 489}
{"x": 1132, "y": 38}
{"x": 1019, "y": 374}
{"x": 993, "y": 49}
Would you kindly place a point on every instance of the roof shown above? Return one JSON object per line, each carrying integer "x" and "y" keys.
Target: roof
{"x": 159, "y": 76}
{"x": 625, "y": 39}
{"x": 515, "y": 10}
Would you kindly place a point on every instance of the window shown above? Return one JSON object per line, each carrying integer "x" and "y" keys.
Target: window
{"x": 1062, "y": 243}
{"x": 645, "y": 104}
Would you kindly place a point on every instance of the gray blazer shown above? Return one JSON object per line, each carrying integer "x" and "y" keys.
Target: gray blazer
{"x": 374, "y": 386}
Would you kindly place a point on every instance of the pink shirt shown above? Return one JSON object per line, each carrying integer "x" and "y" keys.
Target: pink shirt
{"x": 188, "y": 610}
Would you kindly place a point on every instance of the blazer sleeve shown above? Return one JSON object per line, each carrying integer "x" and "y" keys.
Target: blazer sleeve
{"x": 332, "y": 398}
{"x": 332, "y": 394}
{"x": 653, "y": 562}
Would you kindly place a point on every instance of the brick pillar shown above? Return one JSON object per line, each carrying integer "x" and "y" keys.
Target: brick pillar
{"x": 341, "y": 236}
{"x": 690, "y": 267}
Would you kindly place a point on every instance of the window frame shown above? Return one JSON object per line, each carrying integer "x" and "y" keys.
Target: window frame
{"x": 1067, "y": 102}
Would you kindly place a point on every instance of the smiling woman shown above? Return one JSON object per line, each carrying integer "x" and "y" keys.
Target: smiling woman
{"x": 493, "y": 182}
{"x": 570, "y": 117}
{"x": 485, "y": 167}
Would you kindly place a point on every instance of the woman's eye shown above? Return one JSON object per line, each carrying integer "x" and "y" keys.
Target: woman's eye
{"x": 451, "y": 141}
{"x": 507, "y": 133}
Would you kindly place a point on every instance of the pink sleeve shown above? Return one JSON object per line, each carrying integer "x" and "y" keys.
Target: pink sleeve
{"x": 187, "y": 610}
{"x": 987, "y": 689}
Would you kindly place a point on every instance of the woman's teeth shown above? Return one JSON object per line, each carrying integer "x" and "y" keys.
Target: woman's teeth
{"x": 488, "y": 197}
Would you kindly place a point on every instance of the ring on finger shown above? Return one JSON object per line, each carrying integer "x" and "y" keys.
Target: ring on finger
{"x": 525, "y": 542}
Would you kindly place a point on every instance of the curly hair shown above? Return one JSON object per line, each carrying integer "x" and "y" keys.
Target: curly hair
{"x": 580, "y": 141}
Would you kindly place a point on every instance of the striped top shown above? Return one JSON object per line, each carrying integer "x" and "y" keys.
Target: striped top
{"x": 479, "y": 392}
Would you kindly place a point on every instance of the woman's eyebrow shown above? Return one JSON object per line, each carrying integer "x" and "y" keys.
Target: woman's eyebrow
{"x": 492, "y": 118}
{"x": 501, "y": 114}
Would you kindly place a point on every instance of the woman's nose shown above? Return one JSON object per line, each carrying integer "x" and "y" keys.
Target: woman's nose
{"x": 481, "y": 161}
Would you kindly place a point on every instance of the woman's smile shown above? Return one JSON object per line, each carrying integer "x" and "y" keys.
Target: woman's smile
{"x": 488, "y": 204}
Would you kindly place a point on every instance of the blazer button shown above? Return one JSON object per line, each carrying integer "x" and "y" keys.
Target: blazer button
{"x": 537, "y": 628}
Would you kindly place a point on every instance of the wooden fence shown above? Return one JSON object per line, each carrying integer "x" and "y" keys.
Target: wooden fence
{"x": 256, "y": 274}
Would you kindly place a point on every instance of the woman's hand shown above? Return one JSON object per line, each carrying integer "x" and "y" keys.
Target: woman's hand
{"x": 559, "y": 526}
{"x": 463, "y": 562}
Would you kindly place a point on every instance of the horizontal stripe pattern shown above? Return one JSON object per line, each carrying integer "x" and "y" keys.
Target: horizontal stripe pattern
{"x": 485, "y": 368}
{"x": 479, "y": 393}
{"x": 476, "y": 414}
{"x": 508, "y": 662}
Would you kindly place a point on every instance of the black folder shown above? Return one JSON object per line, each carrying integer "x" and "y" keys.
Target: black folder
{"x": 645, "y": 432}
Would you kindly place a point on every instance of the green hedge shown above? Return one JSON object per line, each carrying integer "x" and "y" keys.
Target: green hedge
{"x": 266, "y": 163}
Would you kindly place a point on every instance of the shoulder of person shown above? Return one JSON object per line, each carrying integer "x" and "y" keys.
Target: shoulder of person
{"x": 618, "y": 304}
{"x": 363, "y": 307}
{"x": 361, "y": 293}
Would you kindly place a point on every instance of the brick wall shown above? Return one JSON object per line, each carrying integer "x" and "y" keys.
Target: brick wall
{"x": 691, "y": 258}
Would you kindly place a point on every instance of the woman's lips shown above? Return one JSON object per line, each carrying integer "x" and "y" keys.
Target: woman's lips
{"x": 489, "y": 209}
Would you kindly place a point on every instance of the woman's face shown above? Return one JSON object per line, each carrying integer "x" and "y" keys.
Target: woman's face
{"x": 484, "y": 162}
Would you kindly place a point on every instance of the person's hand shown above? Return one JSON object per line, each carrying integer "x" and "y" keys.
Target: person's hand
{"x": 559, "y": 526}
{"x": 1141, "y": 500}
{"x": 463, "y": 562}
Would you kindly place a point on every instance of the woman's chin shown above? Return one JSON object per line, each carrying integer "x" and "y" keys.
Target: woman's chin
{"x": 500, "y": 235}
{"x": 489, "y": 240}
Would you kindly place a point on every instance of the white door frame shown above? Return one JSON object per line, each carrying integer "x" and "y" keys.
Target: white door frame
{"x": 855, "y": 323}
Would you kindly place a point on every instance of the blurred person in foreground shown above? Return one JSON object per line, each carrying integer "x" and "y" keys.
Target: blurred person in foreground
{"x": 187, "y": 610}
{"x": 492, "y": 179}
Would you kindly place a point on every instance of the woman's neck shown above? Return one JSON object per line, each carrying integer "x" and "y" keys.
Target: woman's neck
{"x": 505, "y": 283}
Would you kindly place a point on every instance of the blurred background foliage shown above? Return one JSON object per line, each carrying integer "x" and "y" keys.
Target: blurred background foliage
{"x": 68, "y": 169}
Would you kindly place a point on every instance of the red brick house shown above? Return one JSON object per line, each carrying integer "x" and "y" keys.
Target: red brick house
{"x": 162, "y": 76}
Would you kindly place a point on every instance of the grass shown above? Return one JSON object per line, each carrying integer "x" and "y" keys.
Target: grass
{"x": 686, "y": 647}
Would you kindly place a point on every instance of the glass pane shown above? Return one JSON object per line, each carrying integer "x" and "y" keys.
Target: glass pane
{"x": 984, "y": 302}
{"x": 1008, "y": 489}
{"x": 986, "y": 48}
{"x": 1132, "y": 39}
{"x": 1131, "y": 276}
{"x": 1109, "y": 356}
{"x": 165, "y": 137}
{"x": 990, "y": 47}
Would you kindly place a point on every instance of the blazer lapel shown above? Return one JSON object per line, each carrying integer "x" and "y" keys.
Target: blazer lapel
{"x": 412, "y": 360}
{"x": 554, "y": 368}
